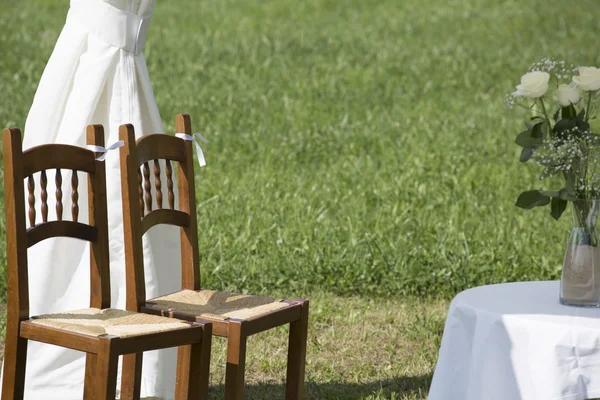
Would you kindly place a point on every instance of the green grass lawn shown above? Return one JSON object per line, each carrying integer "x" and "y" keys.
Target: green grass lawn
{"x": 359, "y": 149}
{"x": 358, "y": 348}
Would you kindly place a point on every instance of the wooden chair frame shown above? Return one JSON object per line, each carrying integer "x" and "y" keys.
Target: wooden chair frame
{"x": 153, "y": 147}
{"x": 102, "y": 351}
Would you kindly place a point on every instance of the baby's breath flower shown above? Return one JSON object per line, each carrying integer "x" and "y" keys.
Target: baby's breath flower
{"x": 509, "y": 100}
{"x": 558, "y": 68}
{"x": 576, "y": 152}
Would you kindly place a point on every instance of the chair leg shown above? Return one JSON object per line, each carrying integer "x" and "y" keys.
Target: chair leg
{"x": 106, "y": 371}
{"x": 90, "y": 376}
{"x": 236, "y": 361}
{"x": 15, "y": 359}
{"x": 294, "y": 388}
{"x": 131, "y": 377}
{"x": 193, "y": 368}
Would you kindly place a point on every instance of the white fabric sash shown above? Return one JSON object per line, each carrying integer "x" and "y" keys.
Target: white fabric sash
{"x": 103, "y": 150}
{"x": 111, "y": 25}
{"x": 197, "y": 136}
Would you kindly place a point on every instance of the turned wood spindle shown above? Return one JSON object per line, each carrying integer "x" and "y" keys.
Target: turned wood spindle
{"x": 147, "y": 187}
{"x": 59, "y": 195}
{"x": 141, "y": 193}
{"x": 44, "y": 196}
{"x": 31, "y": 200}
{"x": 158, "y": 185}
{"x": 171, "y": 194}
{"x": 75, "y": 196}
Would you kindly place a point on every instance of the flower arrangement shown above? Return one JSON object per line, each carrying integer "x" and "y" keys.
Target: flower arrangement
{"x": 558, "y": 136}
{"x": 559, "y": 139}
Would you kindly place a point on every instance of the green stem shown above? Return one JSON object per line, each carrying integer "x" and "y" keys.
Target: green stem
{"x": 589, "y": 105}
{"x": 546, "y": 115}
{"x": 583, "y": 210}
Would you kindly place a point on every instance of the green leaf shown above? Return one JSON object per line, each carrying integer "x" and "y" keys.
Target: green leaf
{"x": 564, "y": 124}
{"x": 557, "y": 207}
{"x": 550, "y": 193}
{"x": 561, "y": 194}
{"x": 530, "y": 199}
{"x": 539, "y": 130}
{"x": 581, "y": 115}
{"x": 569, "y": 112}
{"x": 583, "y": 126}
{"x": 565, "y": 194}
{"x": 528, "y": 125}
{"x": 525, "y": 140}
{"x": 533, "y": 138}
{"x": 556, "y": 115}
{"x": 526, "y": 154}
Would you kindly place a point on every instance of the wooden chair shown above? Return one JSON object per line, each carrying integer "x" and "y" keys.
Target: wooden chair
{"x": 233, "y": 316}
{"x": 102, "y": 332}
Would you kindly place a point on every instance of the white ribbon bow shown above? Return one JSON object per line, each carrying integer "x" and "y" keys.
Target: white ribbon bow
{"x": 197, "y": 136}
{"x": 104, "y": 150}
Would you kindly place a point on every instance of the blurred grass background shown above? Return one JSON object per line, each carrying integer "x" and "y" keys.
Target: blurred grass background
{"x": 358, "y": 148}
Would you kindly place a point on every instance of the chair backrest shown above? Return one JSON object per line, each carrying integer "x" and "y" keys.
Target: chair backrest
{"x": 21, "y": 165}
{"x": 138, "y": 213}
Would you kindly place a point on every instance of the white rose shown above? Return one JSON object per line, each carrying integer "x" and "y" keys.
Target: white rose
{"x": 533, "y": 85}
{"x": 567, "y": 95}
{"x": 588, "y": 79}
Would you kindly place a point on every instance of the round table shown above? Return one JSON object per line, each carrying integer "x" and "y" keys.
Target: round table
{"x": 515, "y": 341}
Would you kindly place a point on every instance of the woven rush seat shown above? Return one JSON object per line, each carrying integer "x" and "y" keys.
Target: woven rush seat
{"x": 97, "y": 322}
{"x": 216, "y": 305}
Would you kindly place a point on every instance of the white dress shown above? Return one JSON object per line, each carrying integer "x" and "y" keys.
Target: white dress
{"x": 96, "y": 74}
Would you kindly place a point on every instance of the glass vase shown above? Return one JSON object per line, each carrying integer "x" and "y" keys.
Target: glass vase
{"x": 580, "y": 280}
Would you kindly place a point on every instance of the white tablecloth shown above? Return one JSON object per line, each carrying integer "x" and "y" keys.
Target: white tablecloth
{"x": 515, "y": 341}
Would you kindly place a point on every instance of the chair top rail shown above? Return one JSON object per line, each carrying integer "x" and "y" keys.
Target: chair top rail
{"x": 159, "y": 146}
{"x": 44, "y": 157}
